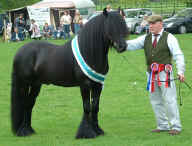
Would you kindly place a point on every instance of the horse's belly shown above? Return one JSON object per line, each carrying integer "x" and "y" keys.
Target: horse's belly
{"x": 57, "y": 69}
{"x": 66, "y": 84}
{"x": 59, "y": 78}
{"x": 63, "y": 82}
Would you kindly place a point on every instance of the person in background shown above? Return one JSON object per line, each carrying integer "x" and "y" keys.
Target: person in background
{"x": 65, "y": 21}
{"x": 14, "y": 35}
{"x": 77, "y": 21}
{"x": 121, "y": 12}
{"x": 143, "y": 26}
{"x": 108, "y": 8}
{"x": 58, "y": 33}
{"x": 160, "y": 47}
{"x": 47, "y": 32}
{"x": 35, "y": 30}
{"x": 27, "y": 27}
{"x": 81, "y": 22}
{"x": 9, "y": 28}
{"x": 20, "y": 24}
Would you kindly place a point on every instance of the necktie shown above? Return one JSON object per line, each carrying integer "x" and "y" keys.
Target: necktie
{"x": 155, "y": 40}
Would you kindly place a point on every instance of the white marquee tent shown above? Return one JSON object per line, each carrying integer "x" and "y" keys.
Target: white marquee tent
{"x": 51, "y": 10}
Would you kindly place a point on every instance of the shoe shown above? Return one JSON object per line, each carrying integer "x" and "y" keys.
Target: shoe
{"x": 158, "y": 131}
{"x": 174, "y": 132}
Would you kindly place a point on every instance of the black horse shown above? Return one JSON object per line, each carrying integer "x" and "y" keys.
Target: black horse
{"x": 39, "y": 62}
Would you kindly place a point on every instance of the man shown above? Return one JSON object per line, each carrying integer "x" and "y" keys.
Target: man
{"x": 34, "y": 28}
{"x": 160, "y": 47}
{"x": 20, "y": 25}
{"x": 65, "y": 21}
{"x": 108, "y": 8}
{"x": 47, "y": 32}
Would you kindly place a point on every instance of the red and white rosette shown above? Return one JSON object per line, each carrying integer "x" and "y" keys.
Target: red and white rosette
{"x": 154, "y": 70}
{"x": 168, "y": 70}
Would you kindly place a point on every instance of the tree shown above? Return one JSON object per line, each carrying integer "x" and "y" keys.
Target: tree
{"x": 12, "y": 4}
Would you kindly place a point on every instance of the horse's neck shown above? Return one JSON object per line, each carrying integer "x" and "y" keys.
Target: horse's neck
{"x": 94, "y": 45}
{"x": 96, "y": 55}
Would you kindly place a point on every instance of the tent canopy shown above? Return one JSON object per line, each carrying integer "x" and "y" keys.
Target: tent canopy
{"x": 65, "y": 4}
{"x": 55, "y": 4}
{"x": 50, "y": 11}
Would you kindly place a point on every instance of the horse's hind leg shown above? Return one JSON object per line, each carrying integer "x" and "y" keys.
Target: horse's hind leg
{"x": 95, "y": 95}
{"x": 22, "y": 102}
{"x": 18, "y": 92}
{"x": 29, "y": 102}
{"x": 85, "y": 129}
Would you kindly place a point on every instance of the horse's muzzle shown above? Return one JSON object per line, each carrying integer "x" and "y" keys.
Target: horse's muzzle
{"x": 120, "y": 47}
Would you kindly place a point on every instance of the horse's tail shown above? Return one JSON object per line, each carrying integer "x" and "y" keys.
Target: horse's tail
{"x": 17, "y": 103}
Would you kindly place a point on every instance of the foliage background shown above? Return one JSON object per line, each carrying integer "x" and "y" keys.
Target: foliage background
{"x": 12, "y": 4}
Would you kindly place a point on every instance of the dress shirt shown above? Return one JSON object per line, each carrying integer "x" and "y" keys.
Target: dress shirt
{"x": 173, "y": 45}
{"x": 65, "y": 20}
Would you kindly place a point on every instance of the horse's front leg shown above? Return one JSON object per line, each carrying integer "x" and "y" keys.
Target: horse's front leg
{"x": 96, "y": 92}
{"x": 85, "y": 129}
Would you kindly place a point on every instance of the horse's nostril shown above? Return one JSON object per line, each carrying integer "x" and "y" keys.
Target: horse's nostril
{"x": 120, "y": 46}
{"x": 115, "y": 44}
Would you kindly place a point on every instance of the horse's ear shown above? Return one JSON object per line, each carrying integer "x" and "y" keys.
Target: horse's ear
{"x": 105, "y": 13}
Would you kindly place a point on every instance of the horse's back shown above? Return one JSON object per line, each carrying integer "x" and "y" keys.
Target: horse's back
{"x": 46, "y": 62}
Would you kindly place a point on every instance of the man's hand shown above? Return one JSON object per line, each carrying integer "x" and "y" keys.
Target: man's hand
{"x": 181, "y": 77}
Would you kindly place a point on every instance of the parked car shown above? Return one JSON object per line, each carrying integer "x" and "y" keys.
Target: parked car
{"x": 134, "y": 17}
{"x": 181, "y": 22}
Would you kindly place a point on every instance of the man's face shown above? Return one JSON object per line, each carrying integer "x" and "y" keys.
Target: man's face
{"x": 108, "y": 7}
{"x": 155, "y": 27}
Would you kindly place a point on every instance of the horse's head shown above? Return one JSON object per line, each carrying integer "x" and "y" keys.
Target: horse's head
{"x": 115, "y": 30}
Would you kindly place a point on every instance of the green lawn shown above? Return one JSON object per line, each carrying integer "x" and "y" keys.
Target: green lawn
{"x": 125, "y": 112}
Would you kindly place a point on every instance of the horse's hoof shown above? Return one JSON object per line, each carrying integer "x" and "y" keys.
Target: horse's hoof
{"x": 99, "y": 131}
{"x": 86, "y": 134}
{"x": 85, "y": 131}
{"x": 25, "y": 131}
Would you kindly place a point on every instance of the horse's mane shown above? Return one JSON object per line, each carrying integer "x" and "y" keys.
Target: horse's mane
{"x": 93, "y": 36}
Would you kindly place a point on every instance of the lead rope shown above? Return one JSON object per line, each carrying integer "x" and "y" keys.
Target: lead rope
{"x": 180, "y": 97}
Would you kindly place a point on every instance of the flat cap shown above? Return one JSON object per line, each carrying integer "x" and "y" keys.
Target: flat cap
{"x": 154, "y": 18}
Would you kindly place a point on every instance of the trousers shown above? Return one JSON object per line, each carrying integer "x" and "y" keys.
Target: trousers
{"x": 164, "y": 104}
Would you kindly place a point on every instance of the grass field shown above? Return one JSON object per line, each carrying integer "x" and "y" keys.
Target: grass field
{"x": 125, "y": 112}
